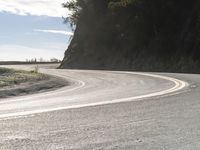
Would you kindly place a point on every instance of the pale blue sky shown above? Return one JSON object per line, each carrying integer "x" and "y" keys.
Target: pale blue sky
{"x": 33, "y": 29}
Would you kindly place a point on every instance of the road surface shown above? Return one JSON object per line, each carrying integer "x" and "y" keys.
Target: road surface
{"x": 105, "y": 110}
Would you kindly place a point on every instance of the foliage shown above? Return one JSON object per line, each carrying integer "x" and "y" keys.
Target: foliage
{"x": 75, "y": 6}
{"x": 113, "y": 4}
{"x": 138, "y": 34}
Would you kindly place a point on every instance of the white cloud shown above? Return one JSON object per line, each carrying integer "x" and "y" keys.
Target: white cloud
{"x": 51, "y": 8}
{"x": 55, "y": 32}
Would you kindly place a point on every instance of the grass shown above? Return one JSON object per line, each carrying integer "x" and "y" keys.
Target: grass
{"x": 19, "y": 83}
{"x": 10, "y": 77}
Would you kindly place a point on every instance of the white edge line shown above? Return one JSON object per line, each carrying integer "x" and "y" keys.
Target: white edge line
{"x": 57, "y": 91}
{"x": 178, "y": 86}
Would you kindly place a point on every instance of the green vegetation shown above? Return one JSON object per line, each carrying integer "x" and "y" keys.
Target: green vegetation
{"x": 120, "y": 3}
{"x": 19, "y": 83}
{"x": 77, "y": 6}
{"x": 10, "y": 77}
{"x": 145, "y": 35}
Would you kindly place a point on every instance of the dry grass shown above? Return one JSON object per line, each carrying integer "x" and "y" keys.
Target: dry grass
{"x": 10, "y": 77}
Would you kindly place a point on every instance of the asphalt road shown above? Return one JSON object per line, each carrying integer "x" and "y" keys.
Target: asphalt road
{"x": 106, "y": 110}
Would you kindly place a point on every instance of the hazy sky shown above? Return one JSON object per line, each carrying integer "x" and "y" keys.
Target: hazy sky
{"x": 33, "y": 28}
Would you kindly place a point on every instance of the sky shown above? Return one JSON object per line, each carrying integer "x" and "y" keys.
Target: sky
{"x": 33, "y": 29}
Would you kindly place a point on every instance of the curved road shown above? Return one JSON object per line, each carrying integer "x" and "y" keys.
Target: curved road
{"x": 105, "y": 110}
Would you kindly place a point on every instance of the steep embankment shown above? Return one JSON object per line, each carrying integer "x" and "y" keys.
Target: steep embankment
{"x": 156, "y": 35}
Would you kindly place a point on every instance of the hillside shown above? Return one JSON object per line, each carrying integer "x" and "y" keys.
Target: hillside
{"x": 139, "y": 35}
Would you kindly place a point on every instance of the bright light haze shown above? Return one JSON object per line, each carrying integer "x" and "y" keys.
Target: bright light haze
{"x": 33, "y": 29}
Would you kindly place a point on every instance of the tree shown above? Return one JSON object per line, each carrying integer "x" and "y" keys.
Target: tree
{"x": 120, "y": 3}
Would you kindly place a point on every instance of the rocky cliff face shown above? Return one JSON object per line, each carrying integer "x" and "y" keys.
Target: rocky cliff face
{"x": 156, "y": 35}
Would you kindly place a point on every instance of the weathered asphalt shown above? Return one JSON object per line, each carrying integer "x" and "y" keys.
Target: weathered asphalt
{"x": 169, "y": 121}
